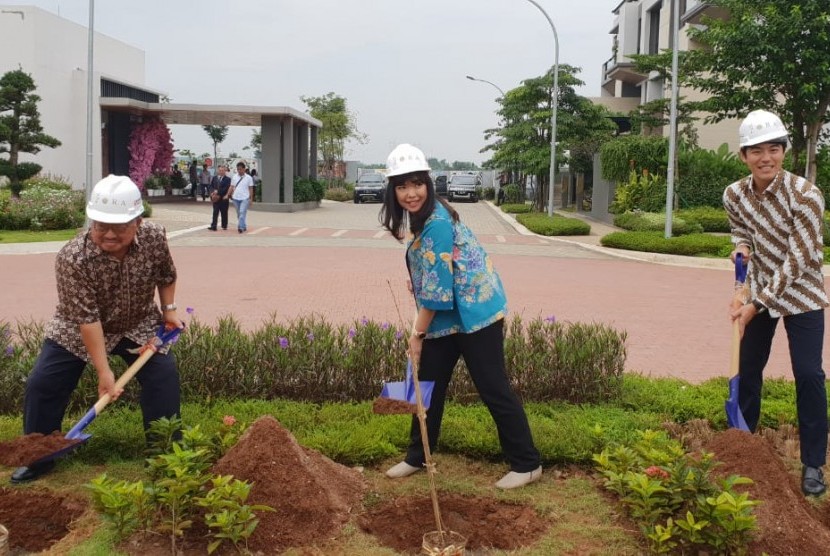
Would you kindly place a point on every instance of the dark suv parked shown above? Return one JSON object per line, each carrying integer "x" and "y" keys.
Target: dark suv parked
{"x": 370, "y": 187}
{"x": 441, "y": 185}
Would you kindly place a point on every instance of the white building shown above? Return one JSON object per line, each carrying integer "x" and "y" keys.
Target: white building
{"x": 644, "y": 27}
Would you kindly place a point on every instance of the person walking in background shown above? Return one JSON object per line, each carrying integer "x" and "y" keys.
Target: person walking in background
{"x": 204, "y": 182}
{"x": 107, "y": 278}
{"x": 461, "y": 308}
{"x": 776, "y": 220}
{"x": 220, "y": 195}
{"x": 254, "y": 181}
{"x": 193, "y": 170}
{"x": 242, "y": 192}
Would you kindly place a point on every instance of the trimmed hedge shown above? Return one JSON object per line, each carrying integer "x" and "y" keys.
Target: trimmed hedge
{"x": 653, "y": 242}
{"x": 710, "y": 219}
{"x": 514, "y": 208}
{"x": 338, "y": 194}
{"x": 654, "y": 222}
{"x": 557, "y": 225}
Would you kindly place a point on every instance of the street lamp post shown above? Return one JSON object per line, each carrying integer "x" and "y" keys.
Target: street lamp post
{"x": 672, "y": 119}
{"x": 554, "y": 105}
{"x": 471, "y": 78}
{"x": 89, "y": 104}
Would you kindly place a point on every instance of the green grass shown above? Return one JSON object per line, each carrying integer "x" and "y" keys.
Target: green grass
{"x": 28, "y": 236}
{"x": 557, "y": 225}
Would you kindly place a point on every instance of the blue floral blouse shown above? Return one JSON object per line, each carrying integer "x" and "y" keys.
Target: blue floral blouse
{"x": 452, "y": 275}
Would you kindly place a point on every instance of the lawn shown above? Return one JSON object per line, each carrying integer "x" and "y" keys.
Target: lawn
{"x": 28, "y": 236}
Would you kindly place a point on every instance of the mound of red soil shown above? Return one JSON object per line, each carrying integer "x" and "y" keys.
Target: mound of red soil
{"x": 487, "y": 523}
{"x": 786, "y": 521}
{"x": 312, "y": 496}
{"x": 27, "y": 449}
{"x": 387, "y": 406}
{"x": 36, "y": 519}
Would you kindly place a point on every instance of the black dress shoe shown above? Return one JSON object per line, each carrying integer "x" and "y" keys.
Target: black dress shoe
{"x": 212, "y": 228}
{"x": 812, "y": 481}
{"x": 26, "y": 474}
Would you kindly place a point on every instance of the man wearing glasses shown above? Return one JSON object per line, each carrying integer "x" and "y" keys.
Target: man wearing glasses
{"x": 107, "y": 278}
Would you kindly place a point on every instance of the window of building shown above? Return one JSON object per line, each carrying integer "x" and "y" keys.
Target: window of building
{"x": 653, "y": 46}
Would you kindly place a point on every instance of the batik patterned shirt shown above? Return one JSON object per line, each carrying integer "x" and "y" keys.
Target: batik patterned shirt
{"x": 783, "y": 228}
{"x": 94, "y": 286}
{"x": 452, "y": 275}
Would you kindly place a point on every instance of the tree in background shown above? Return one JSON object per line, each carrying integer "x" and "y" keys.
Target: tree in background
{"x": 338, "y": 128}
{"x": 217, "y": 134}
{"x": 256, "y": 143}
{"x": 20, "y": 129}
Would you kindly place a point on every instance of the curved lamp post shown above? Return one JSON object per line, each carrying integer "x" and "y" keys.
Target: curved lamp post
{"x": 471, "y": 78}
{"x": 554, "y": 105}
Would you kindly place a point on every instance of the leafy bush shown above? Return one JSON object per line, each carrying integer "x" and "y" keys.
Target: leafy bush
{"x": 513, "y": 194}
{"x": 643, "y": 191}
{"x": 654, "y": 242}
{"x": 48, "y": 181}
{"x": 516, "y": 208}
{"x": 148, "y": 209}
{"x": 42, "y": 208}
{"x": 554, "y": 226}
{"x": 653, "y": 222}
{"x": 710, "y": 219}
{"x": 633, "y": 153}
{"x": 308, "y": 190}
{"x": 674, "y": 498}
{"x": 488, "y": 193}
{"x": 338, "y": 194}
{"x": 702, "y": 175}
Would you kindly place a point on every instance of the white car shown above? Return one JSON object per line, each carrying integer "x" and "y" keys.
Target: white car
{"x": 463, "y": 186}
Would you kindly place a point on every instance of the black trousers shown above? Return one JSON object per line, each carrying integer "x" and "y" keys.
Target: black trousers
{"x": 483, "y": 353}
{"x": 220, "y": 207}
{"x": 57, "y": 372}
{"x": 805, "y": 334}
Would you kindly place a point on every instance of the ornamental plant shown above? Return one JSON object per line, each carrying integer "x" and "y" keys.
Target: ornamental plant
{"x": 151, "y": 150}
{"x": 673, "y": 497}
{"x": 226, "y": 513}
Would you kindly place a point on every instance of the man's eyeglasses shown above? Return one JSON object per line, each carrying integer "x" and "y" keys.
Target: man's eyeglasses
{"x": 116, "y": 228}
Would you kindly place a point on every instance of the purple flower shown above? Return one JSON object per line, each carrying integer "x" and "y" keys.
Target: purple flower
{"x": 310, "y": 336}
{"x": 352, "y": 332}
{"x": 398, "y": 335}
{"x": 364, "y": 321}
{"x": 9, "y": 351}
{"x": 283, "y": 342}
{"x": 385, "y": 326}
{"x": 190, "y": 310}
{"x": 550, "y": 318}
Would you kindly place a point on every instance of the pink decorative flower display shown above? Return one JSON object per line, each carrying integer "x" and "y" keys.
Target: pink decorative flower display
{"x": 151, "y": 150}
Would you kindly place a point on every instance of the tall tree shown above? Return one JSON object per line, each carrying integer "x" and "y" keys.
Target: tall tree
{"x": 20, "y": 128}
{"x": 768, "y": 54}
{"x": 338, "y": 128}
{"x": 217, "y": 134}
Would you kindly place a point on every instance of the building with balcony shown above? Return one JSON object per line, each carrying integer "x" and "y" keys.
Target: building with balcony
{"x": 644, "y": 27}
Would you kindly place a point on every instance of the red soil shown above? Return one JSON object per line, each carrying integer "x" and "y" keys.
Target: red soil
{"x": 27, "y": 449}
{"x": 36, "y": 519}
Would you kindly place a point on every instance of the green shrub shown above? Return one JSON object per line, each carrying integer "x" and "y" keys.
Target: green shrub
{"x": 654, "y": 242}
{"x": 513, "y": 194}
{"x": 308, "y": 190}
{"x": 710, "y": 219}
{"x": 653, "y": 222}
{"x": 488, "y": 193}
{"x": 338, "y": 194}
{"x": 48, "y": 181}
{"x": 516, "y": 208}
{"x": 148, "y": 209}
{"x": 703, "y": 175}
{"x": 42, "y": 208}
{"x": 643, "y": 191}
{"x": 633, "y": 153}
{"x": 553, "y": 226}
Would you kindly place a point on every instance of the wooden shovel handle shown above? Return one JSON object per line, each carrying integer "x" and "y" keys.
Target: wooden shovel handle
{"x": 125, "y": 377}
{"x": 735, "y": 366}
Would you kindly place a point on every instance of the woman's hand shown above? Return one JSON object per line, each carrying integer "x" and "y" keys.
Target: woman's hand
{"x": 415, "y": 346}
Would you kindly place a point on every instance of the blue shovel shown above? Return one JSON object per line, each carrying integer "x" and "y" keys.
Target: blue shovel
{"x": 734, "y": 416}
{"x": 405, "y": 390}
{"x": 162, "y": 338}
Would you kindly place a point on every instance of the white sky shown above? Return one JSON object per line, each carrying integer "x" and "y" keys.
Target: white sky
{"x": 401, "y": 64}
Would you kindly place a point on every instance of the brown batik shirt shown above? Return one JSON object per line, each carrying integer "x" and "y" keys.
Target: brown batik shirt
{"x": 783, "y": 228}
{"x": 94, "y": 286}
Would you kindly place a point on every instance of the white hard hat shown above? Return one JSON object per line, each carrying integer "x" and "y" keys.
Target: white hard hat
{"x": 405, "y": 159}
{"x": 761, "y": 126}
{"x": 114, "y": 200}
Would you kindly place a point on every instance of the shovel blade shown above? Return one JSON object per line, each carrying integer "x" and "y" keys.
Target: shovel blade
{"x": 734, "y": 416}
{"x": 81, "y": 439}
{"x": 405, "y": 390}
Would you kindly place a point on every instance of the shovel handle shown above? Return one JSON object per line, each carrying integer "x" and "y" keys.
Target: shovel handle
{"x": 125, "y": 377}
{"x": 735, "y": 365}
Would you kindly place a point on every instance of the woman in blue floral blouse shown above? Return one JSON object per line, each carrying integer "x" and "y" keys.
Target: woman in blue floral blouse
{"x": 461, "y": 307}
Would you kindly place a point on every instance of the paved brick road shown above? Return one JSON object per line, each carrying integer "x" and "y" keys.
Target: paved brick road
{"x": 337, "y": 262}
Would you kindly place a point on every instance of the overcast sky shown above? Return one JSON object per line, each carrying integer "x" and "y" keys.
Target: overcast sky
{"x": 401, "y": 64}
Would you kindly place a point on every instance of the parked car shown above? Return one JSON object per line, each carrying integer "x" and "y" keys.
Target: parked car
{"x": 441, "y": 185}
{"x": 370, "y": 187}
{"x": 463, "y": 186}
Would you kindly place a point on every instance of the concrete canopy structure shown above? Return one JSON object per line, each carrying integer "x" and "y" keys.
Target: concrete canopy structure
{"x": 289, "y": 137}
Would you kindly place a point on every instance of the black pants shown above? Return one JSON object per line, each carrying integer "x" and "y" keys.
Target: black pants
{"x": 57, "y": 372}
{"x": 805, "y": 334}
{"x": 203, "y": 190}
{"x": 220, "y": 207}
{"x": 483, "y": 353}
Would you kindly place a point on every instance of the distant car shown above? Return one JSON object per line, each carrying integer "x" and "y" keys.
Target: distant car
{"x": 369, "y": 187}
{"x": 441, "y": 185}
{"x": 463, "y": 186}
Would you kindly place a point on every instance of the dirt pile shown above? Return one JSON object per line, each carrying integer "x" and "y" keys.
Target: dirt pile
{"x": 786, "y": 520}
{"x": 36, "y": 519}
{"x": 388, "y": 406}
{"x": 312, "y": 496}
{"x": 27, "y": 449}
{"x": 486, "y": 523}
